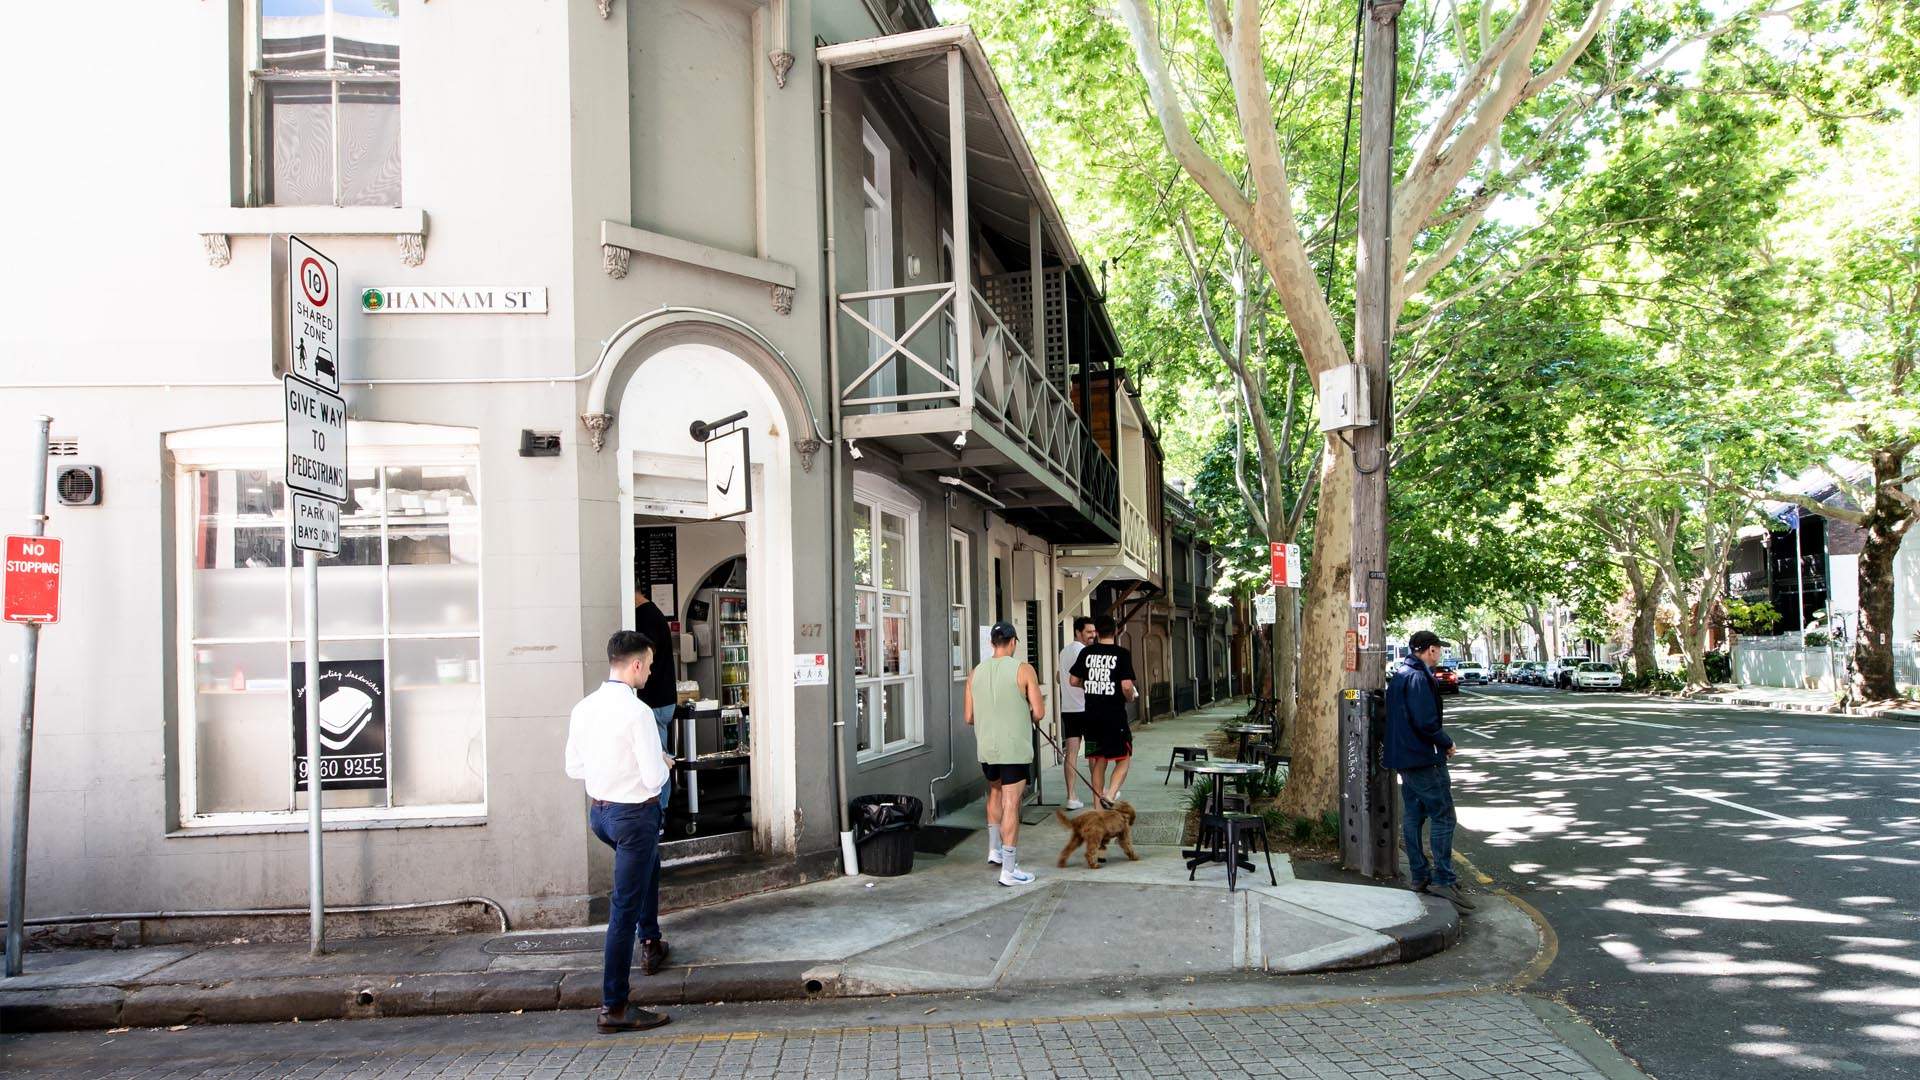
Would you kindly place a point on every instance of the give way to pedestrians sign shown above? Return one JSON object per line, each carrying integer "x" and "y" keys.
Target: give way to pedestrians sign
{"x": 316, "y": 440}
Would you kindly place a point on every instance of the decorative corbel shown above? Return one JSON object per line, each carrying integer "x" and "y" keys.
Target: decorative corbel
{"x": 606, "y": 12}
{"x": 781, "y": 55}
{"x": 597, "y": 424}
{"x": 782, "y": 299}
{"x": 218, "y": 252}
{"x": 413, "y": 248}
{"x": 614, "y": 260}
{"x": 806, "y": 447}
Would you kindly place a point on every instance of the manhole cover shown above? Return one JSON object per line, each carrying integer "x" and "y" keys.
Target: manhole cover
{"x": 531, "y": 944}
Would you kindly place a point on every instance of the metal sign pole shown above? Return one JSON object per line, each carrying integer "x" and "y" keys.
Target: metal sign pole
{"x": 23, "y": 753}
{"x": 316, "y": 891}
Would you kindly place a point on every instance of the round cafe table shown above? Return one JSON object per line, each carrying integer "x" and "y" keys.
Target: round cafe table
{"x": 1244, "y": 730}
{"x": 1222, "y": 772}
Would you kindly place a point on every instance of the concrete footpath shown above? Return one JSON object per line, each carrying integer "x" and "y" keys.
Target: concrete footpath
{"x": 1796, "y": 700}
{"x": 947, "y": 926}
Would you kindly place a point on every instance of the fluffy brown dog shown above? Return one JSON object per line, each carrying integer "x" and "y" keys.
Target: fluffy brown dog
{"x": 1095, "y": 829}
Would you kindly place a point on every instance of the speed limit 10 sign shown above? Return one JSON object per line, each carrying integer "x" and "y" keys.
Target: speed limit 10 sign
{"x": 313, "y": 315}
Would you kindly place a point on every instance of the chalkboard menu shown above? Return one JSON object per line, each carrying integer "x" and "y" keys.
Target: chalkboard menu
{"x": 656, "y": 566}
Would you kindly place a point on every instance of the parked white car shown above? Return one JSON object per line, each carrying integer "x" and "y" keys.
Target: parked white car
{"x": 1596, "y": 676}
{"x": 1472, "y": 672}
{"x": 1559, "y": 673}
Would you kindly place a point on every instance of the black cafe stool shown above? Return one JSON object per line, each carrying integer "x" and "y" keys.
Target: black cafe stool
{"x": 1230, "y": 837}
{"x": 1184, "y": 753}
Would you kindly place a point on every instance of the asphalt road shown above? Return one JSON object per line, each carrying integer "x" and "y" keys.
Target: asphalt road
{"x": 1733, "y": 890}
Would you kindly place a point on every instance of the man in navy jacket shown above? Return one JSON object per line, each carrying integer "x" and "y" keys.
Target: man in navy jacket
{"x": 1417, "y": 747}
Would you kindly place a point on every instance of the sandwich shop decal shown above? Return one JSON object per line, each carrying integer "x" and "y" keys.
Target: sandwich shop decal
{"x": 353, "y": 724}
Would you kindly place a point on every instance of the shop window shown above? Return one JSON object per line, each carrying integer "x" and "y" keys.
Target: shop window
{"x": 884, "y": 531}
{"x": 324, "y": 95}
{"x": 399, "y": 627}
{"x": 959, "y": 601}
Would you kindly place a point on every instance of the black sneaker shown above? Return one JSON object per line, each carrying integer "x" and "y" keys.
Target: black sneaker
{"x": 628, "y": 1018}
{"x": 1452, "y": 895}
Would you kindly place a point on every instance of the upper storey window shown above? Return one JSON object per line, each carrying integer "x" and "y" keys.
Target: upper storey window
{"x": 324, "y": 85}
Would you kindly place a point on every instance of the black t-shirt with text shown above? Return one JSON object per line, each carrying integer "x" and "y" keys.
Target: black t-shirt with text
{"x": 1103, "y": 668}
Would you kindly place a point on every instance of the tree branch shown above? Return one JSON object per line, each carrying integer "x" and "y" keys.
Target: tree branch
{"x": 1206, "y": 172}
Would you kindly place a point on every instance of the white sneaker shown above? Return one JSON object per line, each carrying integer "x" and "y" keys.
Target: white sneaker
{"x": 1013, "y": 875}
{"x": 993, "y": 857}
{"x": 1075, "y": 804}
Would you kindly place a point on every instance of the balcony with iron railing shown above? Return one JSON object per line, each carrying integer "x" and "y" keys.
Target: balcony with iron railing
{"x": 981, "y": 405}
{"x": 932, "y": 372}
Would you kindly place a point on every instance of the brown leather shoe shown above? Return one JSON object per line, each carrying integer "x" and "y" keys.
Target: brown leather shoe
{"x": 653, "y": 956}
{"x": 628, "y": 1018}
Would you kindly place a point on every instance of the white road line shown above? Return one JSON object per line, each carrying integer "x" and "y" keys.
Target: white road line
{"x": 1476, "y": 731}
{"x": 1749, "y": 809}
{"x": 1591, "y": 719}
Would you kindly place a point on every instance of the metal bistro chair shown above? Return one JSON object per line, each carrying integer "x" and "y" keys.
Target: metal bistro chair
{"x": 1230, "y": 837}
{"x": 1185, "y": 753}
{"x": 1274, "y": 761}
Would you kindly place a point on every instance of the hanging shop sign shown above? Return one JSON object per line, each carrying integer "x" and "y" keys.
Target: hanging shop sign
{"x": 729, "y": 475}
{"x": 454, "y": 300}
{"x": 353, "y": 724}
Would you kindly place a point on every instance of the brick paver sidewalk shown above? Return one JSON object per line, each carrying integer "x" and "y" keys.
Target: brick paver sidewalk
{"x": 1467, "y": 1037}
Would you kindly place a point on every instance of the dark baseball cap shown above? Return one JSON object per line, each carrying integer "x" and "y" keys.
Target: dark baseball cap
{"x": 1002, "y": 633}
{"x": 1425, "y": 639}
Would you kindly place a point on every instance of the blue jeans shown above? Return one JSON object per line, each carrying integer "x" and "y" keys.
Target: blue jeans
{"x": 663, "y": 717}
{"x": 1426, "y": 794}
{"x": 632, "y": 830}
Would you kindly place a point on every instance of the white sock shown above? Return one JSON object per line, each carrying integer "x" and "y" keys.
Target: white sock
{"x": 993, "y": 839}
{"x": 1010, "y": 858}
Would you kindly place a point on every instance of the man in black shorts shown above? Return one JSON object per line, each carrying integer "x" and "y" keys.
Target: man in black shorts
{"x": 1105, "y": 671}
{"x": 1073, "y": 704}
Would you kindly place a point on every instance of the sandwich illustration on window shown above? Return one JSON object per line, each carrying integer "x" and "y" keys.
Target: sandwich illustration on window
{"x": 343, "y": 713}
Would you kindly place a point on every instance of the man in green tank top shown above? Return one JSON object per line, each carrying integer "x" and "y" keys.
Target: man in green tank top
{"x": 1002, "y": 705}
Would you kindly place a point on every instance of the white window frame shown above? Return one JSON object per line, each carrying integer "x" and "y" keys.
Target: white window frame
{"x": 877, "y": 222}
{"x": 960, "y": 600}
{"x": 259, "y": 447}
{"x": 257, "y": 140}
{"x": 877, "y": 493}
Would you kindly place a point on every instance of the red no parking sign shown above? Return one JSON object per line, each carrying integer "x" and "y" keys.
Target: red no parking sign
{"x": 32, "y": 579}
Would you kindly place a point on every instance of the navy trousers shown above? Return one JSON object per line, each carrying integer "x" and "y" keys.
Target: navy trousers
{"x": 1426, "y": 795}
{"x": 632, "y": 830}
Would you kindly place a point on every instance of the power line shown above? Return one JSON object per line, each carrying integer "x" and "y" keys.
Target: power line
{"x": 1346, "y": 139}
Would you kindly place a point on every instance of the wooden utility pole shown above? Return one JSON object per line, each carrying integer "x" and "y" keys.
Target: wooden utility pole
{"x": 1367, "y": 803}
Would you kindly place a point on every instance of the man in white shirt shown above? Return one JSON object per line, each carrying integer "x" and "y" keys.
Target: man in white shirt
{"x": 614, "y": 745}
{"x": 1073, "y": 703}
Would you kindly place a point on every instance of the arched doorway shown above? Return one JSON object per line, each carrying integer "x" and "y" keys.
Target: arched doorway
{"x": 738, "y": 655}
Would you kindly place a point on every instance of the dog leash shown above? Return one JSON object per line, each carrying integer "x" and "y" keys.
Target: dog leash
{"x": 1099, "y": 799}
